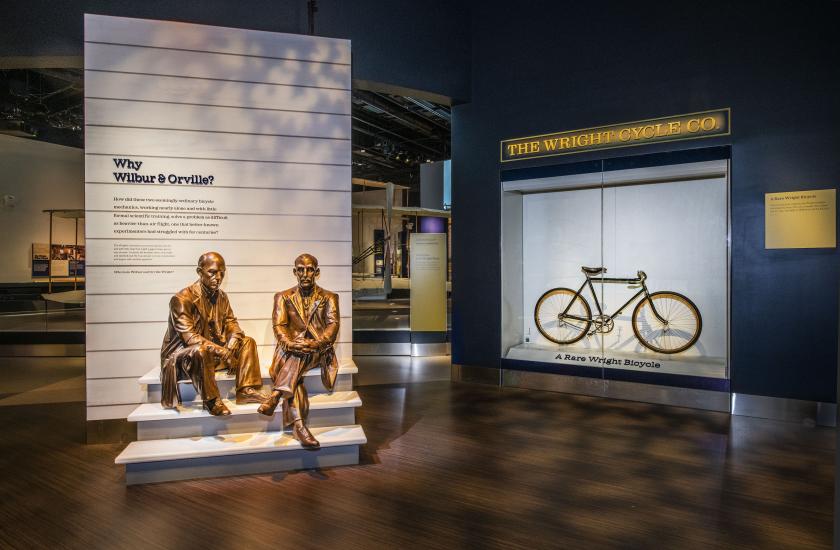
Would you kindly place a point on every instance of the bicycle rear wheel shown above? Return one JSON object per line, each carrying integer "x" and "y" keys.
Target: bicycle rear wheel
{"x": 560, "y": 329}
{"x": 680, "y": 330}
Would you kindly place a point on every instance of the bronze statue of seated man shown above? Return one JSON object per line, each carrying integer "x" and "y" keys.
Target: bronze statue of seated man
{"x": 202, "y": 337}
{"x": 306, "y": 321}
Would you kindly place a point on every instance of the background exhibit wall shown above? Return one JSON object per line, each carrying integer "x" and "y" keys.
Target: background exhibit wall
{"x": 40, "y": 176}
{"x": 262, "y": 121}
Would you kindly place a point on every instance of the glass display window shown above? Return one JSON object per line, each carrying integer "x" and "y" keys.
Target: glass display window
{"x": 622, "y": 269}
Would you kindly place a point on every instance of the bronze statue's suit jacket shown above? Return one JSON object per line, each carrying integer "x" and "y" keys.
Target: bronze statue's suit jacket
{"x": 321, "y": 323}
{"x": 190, "y": 324}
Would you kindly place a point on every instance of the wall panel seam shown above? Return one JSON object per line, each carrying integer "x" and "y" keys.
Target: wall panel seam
{"x": 216, "y": 213}
{"x": 218, "y": 53}
{"x": 218, "y": 105}
{"x": 296, "y": 189}
{"x": 295, "y": 136}
{"x": 217, "y": 240}
{"x": 216, "y": 159}
{"x": 262, "y": 83}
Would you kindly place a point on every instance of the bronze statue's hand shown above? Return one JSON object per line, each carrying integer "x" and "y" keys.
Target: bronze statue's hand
{"x": 234, "y": 344}
{"x": 301, "y": 346}
{"x": 223, "y": 354}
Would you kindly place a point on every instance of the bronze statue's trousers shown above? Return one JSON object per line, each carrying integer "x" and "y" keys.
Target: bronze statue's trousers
{"x": 287, "y": 375}
{"x": 200, "y": 365}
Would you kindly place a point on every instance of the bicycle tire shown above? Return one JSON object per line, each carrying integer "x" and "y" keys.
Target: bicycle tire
{"x": 549, "y": 309}
{"x": 682, "y": 313}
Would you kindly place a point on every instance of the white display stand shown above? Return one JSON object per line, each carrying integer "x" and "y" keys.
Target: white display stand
{"x": 190, "y": 443}
{"x": 203, "y": 138}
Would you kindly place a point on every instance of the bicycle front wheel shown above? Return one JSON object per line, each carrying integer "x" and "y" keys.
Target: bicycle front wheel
{"x": 551, "y": 321}
{"x": 676, "y": 328}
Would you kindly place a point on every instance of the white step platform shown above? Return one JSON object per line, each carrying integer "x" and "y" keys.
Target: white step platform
{"x": 190, "y": 443}
{"x": 343, "y": 382}
{"x": 191, "y": 420}
{"x": 237, "y": 454}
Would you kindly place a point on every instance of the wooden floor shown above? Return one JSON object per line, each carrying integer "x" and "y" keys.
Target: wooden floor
{"x": 447, "y": 466}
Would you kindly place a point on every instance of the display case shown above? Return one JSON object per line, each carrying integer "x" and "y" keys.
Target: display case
{"x": 618, "y": 270}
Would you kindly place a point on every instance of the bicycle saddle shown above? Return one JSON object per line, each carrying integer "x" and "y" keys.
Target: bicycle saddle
{"x": 593, "y": 270}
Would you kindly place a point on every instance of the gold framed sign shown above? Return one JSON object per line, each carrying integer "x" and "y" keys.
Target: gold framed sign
{"x": 800, "y": 219}
{"x": 704, "y": 124}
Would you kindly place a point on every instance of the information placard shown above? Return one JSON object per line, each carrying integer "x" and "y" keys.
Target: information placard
{"x": 428, "y": 282}
{"x": 800, "y": 219}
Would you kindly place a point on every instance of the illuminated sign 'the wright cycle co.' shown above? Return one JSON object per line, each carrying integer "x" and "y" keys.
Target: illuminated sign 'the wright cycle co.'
{"x": 673, "y": 128}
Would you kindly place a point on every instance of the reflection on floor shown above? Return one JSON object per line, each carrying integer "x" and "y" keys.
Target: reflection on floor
{"x": 383, "y": 369}
{"x": 34, "y": 380}
{"x": 448, "y": 465}
{"x": 378, "y": 283}
{"x": 381, "y": 315}
{"x": 394, "y": 314}
{"x": 57, "y": 320}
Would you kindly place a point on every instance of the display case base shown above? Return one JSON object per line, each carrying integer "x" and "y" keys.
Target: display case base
{"x": 618, "y": 389}
{"x": 706, "y": 367}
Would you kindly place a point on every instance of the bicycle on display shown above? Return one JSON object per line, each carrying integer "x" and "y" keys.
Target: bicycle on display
{"x": 665, "y": 321}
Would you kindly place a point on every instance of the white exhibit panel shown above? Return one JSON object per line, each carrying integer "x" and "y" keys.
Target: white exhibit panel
{"x": 669, "y": 223}
{"x": 201, "y": 139}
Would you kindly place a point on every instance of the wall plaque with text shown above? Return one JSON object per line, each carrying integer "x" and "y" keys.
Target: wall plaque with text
{"x": 800, "y": 219}
{"x": 428, "y": 282}
{"x": 655, "y": 130}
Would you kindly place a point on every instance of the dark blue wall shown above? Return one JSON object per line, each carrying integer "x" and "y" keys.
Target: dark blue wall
{"x": 419, "y": 45}
{"x": 578, "y": 65}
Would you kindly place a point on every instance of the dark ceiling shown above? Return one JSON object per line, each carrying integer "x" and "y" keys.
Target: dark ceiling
{"x": 45, "y": 104}
{"x": 392, "y": 135}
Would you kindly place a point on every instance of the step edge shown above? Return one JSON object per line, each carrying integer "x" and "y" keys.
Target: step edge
{"x": 355, "y": 436}
{"x": 152, "y": 378}
{"x": 353, "y": 401}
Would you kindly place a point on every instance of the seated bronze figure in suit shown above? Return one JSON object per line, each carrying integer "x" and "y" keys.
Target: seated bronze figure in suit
{"x": 202, "y": 337}
{"x": 306, "y": 321}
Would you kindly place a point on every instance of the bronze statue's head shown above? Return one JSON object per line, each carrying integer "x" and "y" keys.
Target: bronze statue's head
{"x": 306, "y": 270}
{"x": 211, "y": 270}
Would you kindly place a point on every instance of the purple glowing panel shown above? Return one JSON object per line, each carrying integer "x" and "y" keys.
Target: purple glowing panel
{"x": 432, "y": 225}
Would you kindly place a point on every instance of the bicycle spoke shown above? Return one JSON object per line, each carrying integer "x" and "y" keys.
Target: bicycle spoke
{"x": 680, "y": 327}
{"x": 551, "y": 315}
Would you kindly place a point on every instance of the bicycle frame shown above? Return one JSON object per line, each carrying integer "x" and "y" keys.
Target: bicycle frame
{"x": 611, "y": 280}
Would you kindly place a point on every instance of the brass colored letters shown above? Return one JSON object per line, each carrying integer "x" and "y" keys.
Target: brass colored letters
{"x": 691, "y": 126}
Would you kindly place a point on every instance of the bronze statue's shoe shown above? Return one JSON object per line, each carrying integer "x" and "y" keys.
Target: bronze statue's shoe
{"x": 268, "y": 406}
{"x": 216, "y": 407}
{"x": 302, "y": 434}
{"x": 249, "y": 395}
